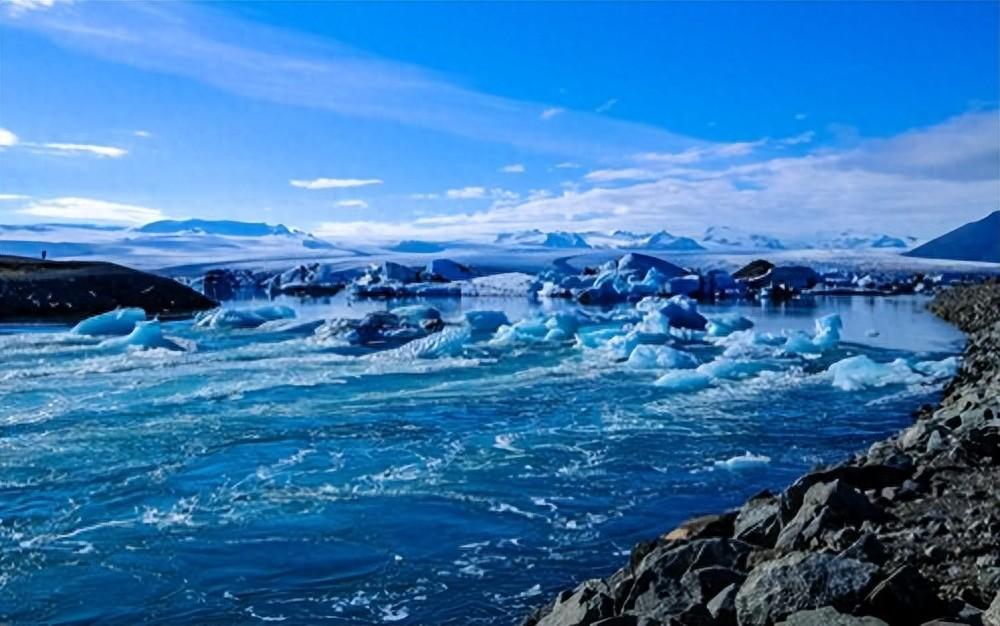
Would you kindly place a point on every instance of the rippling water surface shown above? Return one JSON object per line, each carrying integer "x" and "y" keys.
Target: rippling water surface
{"x": 263, "y": 475}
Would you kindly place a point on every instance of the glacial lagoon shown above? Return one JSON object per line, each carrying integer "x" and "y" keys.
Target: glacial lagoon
{"x": 269, "y": 474}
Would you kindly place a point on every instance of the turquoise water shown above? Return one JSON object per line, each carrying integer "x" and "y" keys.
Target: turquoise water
{"x": 264, "y": 475}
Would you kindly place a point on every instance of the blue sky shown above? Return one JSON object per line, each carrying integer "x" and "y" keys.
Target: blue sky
{"x": 449, "y": 120}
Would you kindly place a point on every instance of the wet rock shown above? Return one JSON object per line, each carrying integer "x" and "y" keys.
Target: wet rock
{"x": 661, "y": 586}
{"x": 703, "y": 527}
{"x": 589, "y": 603}
{"x": 992, "y": 615}
{"x": 905, "y": 597}
{"x": 826, "y": 506}
{"x": 829, "y": 616}
{"x": 723, "y": 606}
{"x": 800, "y": 581}
{"x": 758, "y": 521}
{"x": 866, "y": 548}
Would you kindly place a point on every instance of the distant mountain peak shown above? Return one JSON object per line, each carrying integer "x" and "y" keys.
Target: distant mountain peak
{"x": 228, "y": 228}
{"x": 735, "y": 239}
{"x": 975, "y": 241}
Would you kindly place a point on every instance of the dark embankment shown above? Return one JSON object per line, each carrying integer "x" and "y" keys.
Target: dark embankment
{"x": 40, "y": 291}
{"x": 907, "y": 532}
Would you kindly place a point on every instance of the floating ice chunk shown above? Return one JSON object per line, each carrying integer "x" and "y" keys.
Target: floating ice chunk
{"x": 747, "y": 460}
{"x": 117, "y": 322}
{"x": 827, "y": 336}
{"x": 660, "y": 357}
{"x": 597, "y": 337}
{"x": 446, "y": 269}
{"x": 557, "y": 327}
{"x": 486, "y": 321}
{"x": 859, "y": 372}
{"x": 684, "y": 380}
{"x": 725, "y": 325}
{"x": 749, "y": 343}
{"x": 945, "y": 368}
{"x": 144, "y": 335}
{"x": 828, "y": 330}
{"x": 418, "y": 315}
{"x": 243, "y": 318}
{"x": 449, "y": 342}
{"x": 732, "y": 368}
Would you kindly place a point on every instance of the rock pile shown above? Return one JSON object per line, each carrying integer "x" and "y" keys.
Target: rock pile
{"x": 905, "y": 533}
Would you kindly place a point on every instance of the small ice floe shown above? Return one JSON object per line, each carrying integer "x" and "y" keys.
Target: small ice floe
{"x": 117, "y": 322}
{"x": 860, "y": 372}
{"x": 506, "y": 442}
{"x": 660, "y": 357}
{"x": 747, "y": 460}
{"x": 243, "y": 318}
{"x": 394, "y": 614}
{"x": 725, "y": 325}
{"x": 684, "y": 380}
{"x": 145, "y": 335}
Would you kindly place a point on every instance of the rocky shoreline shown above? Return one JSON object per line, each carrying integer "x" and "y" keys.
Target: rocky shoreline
{"x": 907, "y": 532}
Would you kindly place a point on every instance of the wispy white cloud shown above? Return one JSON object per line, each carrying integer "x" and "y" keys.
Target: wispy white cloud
{"x": 144, "y": 134}
{"x": 91, "y": 210}
{"x": 801, "y": 116}
{"x": 424, "y": 196}
{"x": 513, "y": 168}
{"x": 628, "y": 173}
{"x": 334, "y": 183}
{"x": 921, "y": 183}
{"x": 77, "y": 149}
{"x": 568, "y": 165}
{"x": 352, "y": 204}
{"x": 551, "y": 112}
{"x": 6, "y": 197}
{"x": 466, "y": 193}
{"x": 211, "y": 46}
{"x": 606, "y": 106}
{"x": 478, "y": 192}
{"x": 805, "y": 137}
{"x": 7, "y": 138}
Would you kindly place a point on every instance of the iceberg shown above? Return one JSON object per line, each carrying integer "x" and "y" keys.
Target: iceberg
{"x": 117, "y": 322}
{"x": 747, "y": 460}
{"x": 427, "y": 317}
{"x": 145, "y": 335}
{"x": 684, "y": 380}
{"x": 860, "y": 372}
{"x": 443, "y": 270}
{"x": 725, "y": 325}
{"x": 945, "y": 368}
{"x": 660, "y": 357}
{"x": 243, "y": 318}
{"x": 732, "y": 368}
{"x": 827, "y": 336}
{"x": 484, "y": 321}
{"x": 678, "y": 311}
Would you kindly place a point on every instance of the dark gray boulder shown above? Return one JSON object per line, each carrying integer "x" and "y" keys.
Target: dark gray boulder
{"x": 829, "y": 616}
{"x": 799, "y": 581}
{"x": 663, "y": 587}
{"x": 759, "y": 520}
{"x": 825, "y": 507}
{"x": 992, "y": 615}
{"x": 905, "y": 597}
{"x": 723, "y": 606}
{"x": 588, "y": 603}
